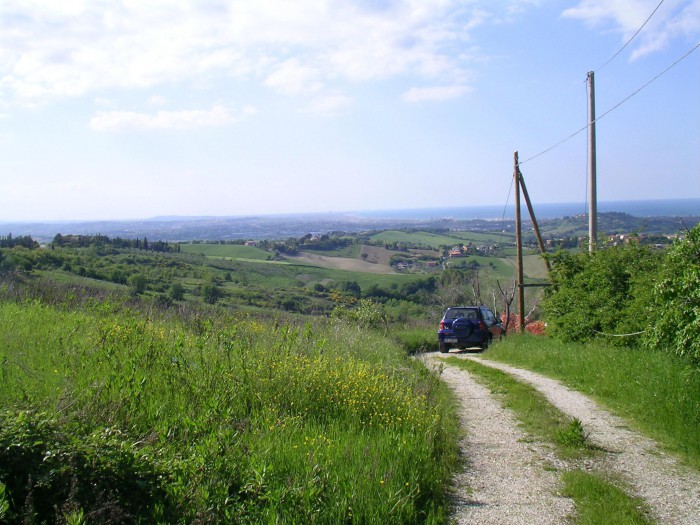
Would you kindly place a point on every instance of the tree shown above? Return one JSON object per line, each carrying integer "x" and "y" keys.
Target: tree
{"x": 675, "y": 323}
{"x": 352, "y": 288}
{"x": 457, "y": 286}
{"x": 211, "y": 293}
{"x": 604, "y": 292}
{"x": 138, "y": 284}
{"x": 176, "y": 292}
{"x": 507, "y": 298}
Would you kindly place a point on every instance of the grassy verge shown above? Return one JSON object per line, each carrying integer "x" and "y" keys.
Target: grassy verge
{"x": 416, "y": 339}
{"x": 597, "y": 500}
{"x": 114, "y": 415}
{"x": 601, "y": 502}
{"x": 658, "y": 392}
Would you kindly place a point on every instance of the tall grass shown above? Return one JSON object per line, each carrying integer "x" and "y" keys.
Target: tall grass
{"x": 237, "y": 419}
{"x": 659, "y": 392}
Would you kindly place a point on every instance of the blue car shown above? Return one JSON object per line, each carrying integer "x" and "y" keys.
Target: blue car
{"x": 468, "y": 327}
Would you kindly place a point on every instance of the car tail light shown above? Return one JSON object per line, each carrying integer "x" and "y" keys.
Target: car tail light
{"x": 442, "y": 325}
{"x": 482, "y": 325}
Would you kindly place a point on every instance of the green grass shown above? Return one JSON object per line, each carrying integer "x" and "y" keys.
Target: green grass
{"x": 426, "y": 239}
{"x": 230, "y": 251}
{"x": 658, "y": 392}
{"x": 287, "y": 275}
{"x": 217, "y": 418}
{"x": 599, "y": 502}
{"x": 352, "y": 251}
{"x": 435, "y": 240}
{"x": 415, "y": 339}
{"x": 62, "y": 277}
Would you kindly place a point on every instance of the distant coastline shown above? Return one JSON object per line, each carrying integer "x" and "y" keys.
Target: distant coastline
{"x": 645, "y": 208}
{"x": 283, "y": 226}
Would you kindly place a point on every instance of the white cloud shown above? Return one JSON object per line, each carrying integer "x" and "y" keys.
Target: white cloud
{"x": 157, "y": 101}
{"x": 71, "y": 48}
{"x": 293, "y": 78}
{"x": 435, "y": 93}
{"x": 329, "y": 105}
{"x": 129, "y": 120}
{"x": 674, "y": 19}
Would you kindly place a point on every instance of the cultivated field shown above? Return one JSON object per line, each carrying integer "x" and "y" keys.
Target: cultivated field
{"x": 343, "y": 263}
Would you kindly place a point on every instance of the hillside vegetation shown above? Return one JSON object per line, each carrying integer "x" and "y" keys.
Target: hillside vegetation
{"x": 118, "y": 414}
{"x": 161, "y": 382}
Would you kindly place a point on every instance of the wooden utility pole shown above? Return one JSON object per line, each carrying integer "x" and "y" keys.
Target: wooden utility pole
{"x": 534, "y": 221}
{"x": 519, "y": 244}
{"x": 592, "y": 198}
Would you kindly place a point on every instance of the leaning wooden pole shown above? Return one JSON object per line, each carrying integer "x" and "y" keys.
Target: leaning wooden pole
{"x": 519, "y": 245}
{"x": 534, "y": 221}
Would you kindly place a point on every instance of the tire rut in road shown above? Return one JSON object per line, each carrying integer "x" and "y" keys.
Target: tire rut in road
{"x": 671, "y": 489}
{"x": 509, "y": 479}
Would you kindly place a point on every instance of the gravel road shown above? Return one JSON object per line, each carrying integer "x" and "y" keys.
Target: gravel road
{"x": 509, "y": 480}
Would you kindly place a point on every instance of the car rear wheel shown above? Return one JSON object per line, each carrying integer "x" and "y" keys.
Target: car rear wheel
{"x": 486, "y": 342}
{"x": 443, "y": 348}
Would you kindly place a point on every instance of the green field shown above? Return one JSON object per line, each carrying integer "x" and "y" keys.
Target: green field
{"x": 226, "y": 251}
{"x": 426, "y": 239}
{"x": 434, "y": 240}
{"x": 352, "y": 251}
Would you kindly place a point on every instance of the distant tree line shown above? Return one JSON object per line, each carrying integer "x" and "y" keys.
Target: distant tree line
{"x": 84, "y": 241}
{"x": 23, "y": 240}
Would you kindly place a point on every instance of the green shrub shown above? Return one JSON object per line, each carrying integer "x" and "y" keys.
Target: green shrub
{"x": 49, "y": 472}
{"x": 675, "y": 325}
{"x": 601, "y": 294}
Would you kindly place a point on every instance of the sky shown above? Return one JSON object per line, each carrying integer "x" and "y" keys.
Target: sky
{"x": 131, "y": 109}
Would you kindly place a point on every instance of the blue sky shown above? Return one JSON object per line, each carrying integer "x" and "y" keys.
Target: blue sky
{"x": 127, "y": 109}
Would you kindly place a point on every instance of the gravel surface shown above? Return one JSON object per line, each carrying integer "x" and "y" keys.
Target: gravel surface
{"x": 509, "y": 479}
{"x": 670, "y": 489}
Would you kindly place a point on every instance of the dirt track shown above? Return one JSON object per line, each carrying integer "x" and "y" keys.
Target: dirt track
{"x": 501, "y": 464}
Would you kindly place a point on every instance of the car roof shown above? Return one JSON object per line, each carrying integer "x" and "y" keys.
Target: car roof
{"x": 463, "y": 308}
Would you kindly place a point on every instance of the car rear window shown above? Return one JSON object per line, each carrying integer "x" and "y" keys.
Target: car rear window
{"x": 469, "y": 313}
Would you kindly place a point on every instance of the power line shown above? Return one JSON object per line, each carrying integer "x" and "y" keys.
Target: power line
{"x": 584, "y": 128}
{"x": 505, "y": 207}
{"x": 630, "y": 40}
{"x": 645, "y": 85}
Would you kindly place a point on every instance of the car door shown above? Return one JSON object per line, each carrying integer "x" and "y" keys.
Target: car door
{"x": 491, "y": 322}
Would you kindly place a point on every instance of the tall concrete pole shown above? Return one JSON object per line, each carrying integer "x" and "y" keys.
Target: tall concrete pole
{"x": 592, "y": 197}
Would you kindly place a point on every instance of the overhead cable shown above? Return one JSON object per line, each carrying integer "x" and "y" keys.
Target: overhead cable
{"x": 584, "y": 128}
{"x": 630, "y": 40}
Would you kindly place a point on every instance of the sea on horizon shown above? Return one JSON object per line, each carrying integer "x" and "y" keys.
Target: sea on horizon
{"x": 643, "y": 208}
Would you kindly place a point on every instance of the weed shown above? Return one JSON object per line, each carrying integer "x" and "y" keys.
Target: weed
{"x": 573, "y": 435}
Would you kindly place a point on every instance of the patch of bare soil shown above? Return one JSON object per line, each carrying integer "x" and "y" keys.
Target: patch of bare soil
{"x": 671, "y": 489}
{"x": 376, "y": 254}
{"x": 341, "y": 263}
